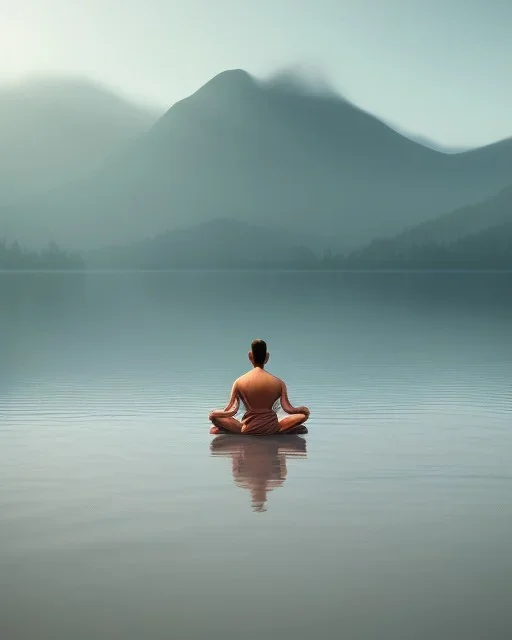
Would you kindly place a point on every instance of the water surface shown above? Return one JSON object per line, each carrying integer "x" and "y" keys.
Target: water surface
{"x": 121, "y": 517}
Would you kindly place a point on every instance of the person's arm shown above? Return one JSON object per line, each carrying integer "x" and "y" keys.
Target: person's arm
{"x": 287, "y": 406}
{"x": 232, "y": 406}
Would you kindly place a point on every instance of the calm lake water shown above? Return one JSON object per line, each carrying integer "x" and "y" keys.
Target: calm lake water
{"x": 120, "y": 517}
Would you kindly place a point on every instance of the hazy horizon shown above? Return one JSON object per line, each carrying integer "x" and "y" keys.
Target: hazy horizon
{"x": 431, "y": 70}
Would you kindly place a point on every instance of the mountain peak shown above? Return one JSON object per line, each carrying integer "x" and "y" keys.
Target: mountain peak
{"x": 230, "y": 87}
{"x": 240, "y": 75}
{"x": 230, "y": 80}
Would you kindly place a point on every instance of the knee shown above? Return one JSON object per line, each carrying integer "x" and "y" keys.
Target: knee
{"x": 303, "y": 416}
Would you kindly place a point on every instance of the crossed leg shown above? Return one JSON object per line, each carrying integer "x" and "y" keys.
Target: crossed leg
{"x": 221, "y": 425}
{"x": 291, "y": 424}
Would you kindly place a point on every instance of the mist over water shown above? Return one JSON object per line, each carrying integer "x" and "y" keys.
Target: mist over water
{"x": 121, "y": 517}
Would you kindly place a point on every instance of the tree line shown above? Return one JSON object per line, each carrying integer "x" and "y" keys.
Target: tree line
{"x": 488, "y": 249}
{"x": 15, "y": 257}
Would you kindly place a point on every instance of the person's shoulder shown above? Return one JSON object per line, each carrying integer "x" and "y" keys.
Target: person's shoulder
{"x": 242, "y": 378}
{"x": 275, "y": 378}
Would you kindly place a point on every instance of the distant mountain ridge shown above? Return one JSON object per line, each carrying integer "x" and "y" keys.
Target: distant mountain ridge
{"x": 461, "y": 222}
{"x": 473, "y": 237}
{"x": 216, "y": 244}
{"x": 476, "y": 237}
{"x": 262, "y": 153}
{"x": 54, "y": 129}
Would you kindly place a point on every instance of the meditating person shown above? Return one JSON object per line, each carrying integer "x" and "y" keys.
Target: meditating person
{"x": 260, "y": 392}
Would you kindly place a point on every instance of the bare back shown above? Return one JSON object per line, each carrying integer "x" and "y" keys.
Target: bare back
{"x": 259, "y": 390}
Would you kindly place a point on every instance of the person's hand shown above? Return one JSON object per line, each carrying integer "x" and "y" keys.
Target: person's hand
{"x": 303, "y": 410}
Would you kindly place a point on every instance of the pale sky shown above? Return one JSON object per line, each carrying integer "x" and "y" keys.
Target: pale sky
{"x": 437, "y": 68}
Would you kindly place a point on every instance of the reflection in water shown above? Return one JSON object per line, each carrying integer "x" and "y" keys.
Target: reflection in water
{"x": 259, "y": 462}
